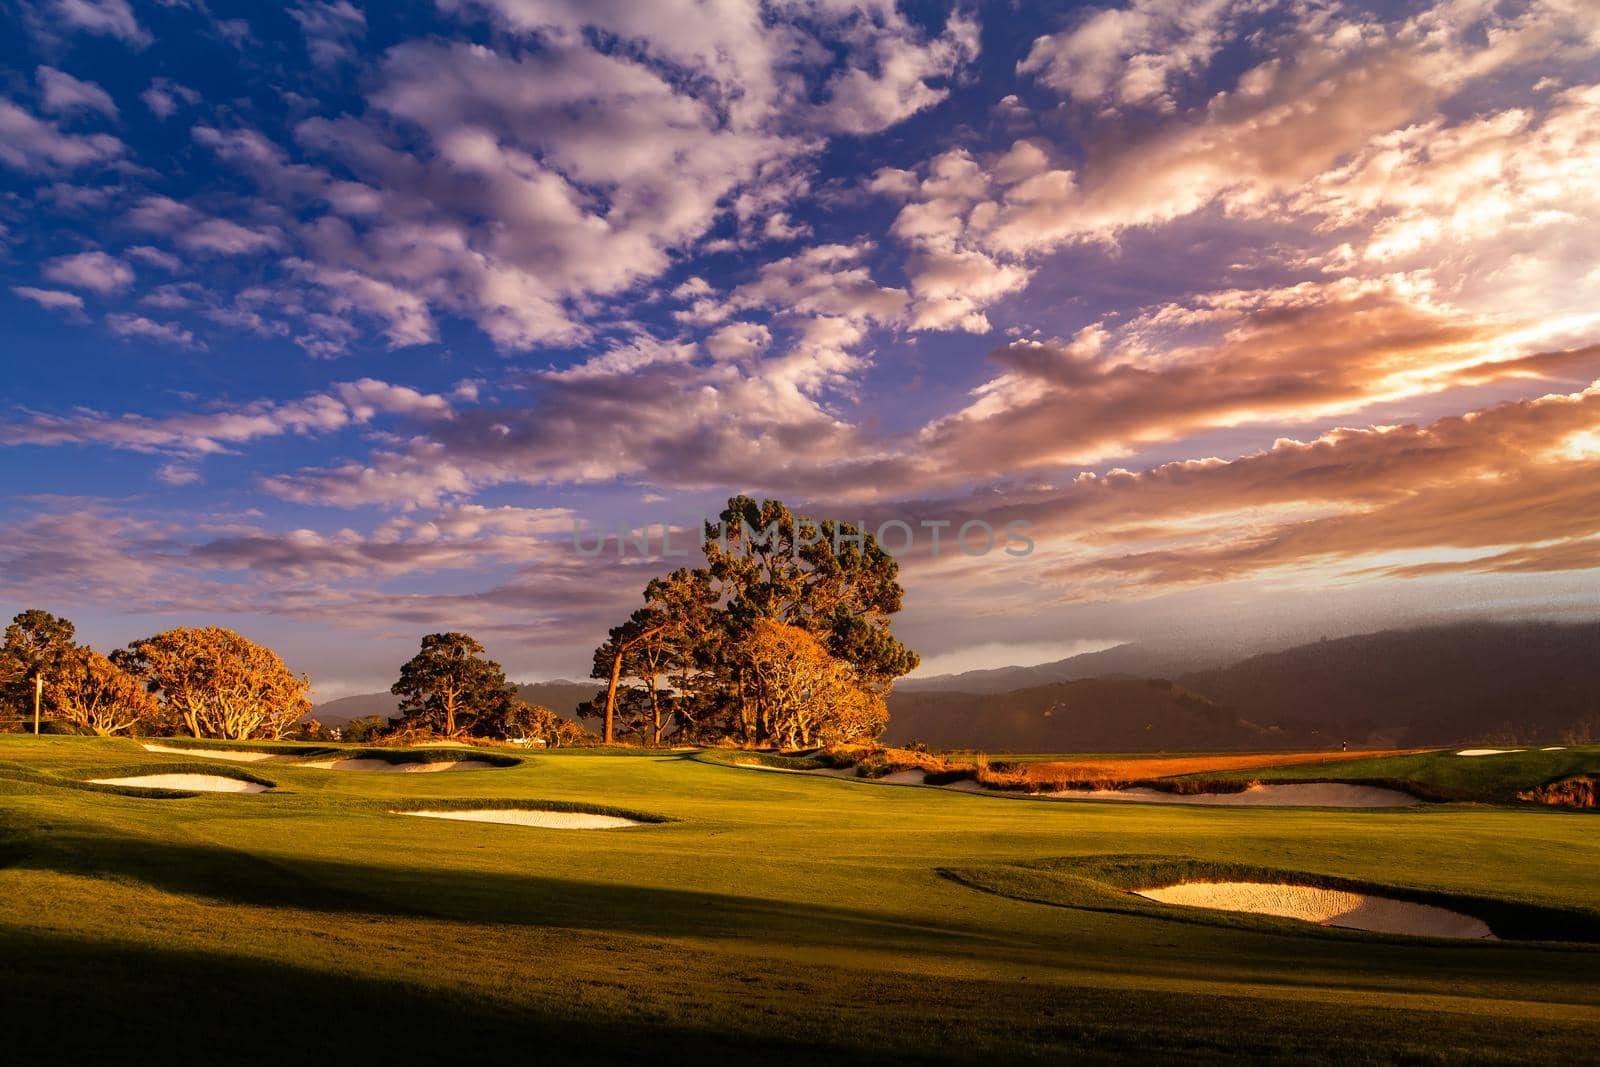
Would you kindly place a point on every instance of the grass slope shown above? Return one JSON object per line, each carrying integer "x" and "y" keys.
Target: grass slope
{"x": 793, "y": 918}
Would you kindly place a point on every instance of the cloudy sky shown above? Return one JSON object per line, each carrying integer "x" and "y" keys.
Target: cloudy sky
{"x": 327, "y": 321}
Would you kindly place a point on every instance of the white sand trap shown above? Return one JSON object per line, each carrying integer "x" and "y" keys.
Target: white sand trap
{"x": 211, "y": 753}
{"x": 549, "y": 820}
{"x": 1327, "y": 907}
{"x": 914, "y": 776}
{"x": 413, "y": 767}
{"x": 1487, "y": 751}
{"x": 1554, "y": 748}
{"x": 197, "y": 783}
{"x": 1298, "y": 795}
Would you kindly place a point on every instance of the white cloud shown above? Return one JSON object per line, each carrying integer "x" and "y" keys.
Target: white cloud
{"x": 739, "y": 340}
{"x": 107, "y": 18}
{"x": 32, "y": 145}
{"x": 128, "y": 325}
{"x": 332, "y": 29}
{"x": 164, "y": 95}
{"x": 1134, "y": 55}
{"x": 63, "y": 94}
{"x": 95, "y": 271}
{"x": 52, "y": 299}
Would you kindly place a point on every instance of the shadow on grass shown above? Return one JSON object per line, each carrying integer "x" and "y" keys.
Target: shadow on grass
{"x": 231, "y": 876}
{"x": 73, "y": 1001}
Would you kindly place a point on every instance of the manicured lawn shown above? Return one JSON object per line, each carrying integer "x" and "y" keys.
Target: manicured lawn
{"x": 785, "y": 917}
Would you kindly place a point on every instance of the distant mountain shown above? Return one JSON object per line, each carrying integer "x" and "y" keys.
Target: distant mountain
{"x": 1511, "y": 682}
{"x": 1092, "y": 715}
{"x": 338, "y": 712}
{"x": 1441, "y": 685}
{"x": 1124, "y": 661}
{"x": 560, "y": 696}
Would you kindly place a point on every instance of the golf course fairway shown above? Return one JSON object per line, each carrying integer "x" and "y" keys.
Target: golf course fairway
{"x": 781, "y": 917}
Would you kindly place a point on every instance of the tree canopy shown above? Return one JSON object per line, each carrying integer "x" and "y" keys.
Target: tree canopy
{"x": 36, "y": 645}
{"x": 450, "y": 687}
{"x": 92, "y": 692}
{"x": 219, "y": 683}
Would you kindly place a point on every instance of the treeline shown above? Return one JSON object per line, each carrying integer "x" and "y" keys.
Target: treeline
{"x": 204, "y": 681}
{"x": 781, "y": 639}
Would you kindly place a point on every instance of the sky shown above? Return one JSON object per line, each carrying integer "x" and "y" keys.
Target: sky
{"x": 330, "y": 323}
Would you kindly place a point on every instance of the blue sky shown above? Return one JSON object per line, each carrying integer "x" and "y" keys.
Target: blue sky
{"x": 327, "y": 321}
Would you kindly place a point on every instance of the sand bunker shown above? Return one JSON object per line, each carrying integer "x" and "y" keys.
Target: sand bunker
{"x": 1554, "y": 748}
{"x": 549, "y": 820}
{"x": 780, "y": 770}
{"x": 196, "y": 783}
{"x": 1487, "y": 751}
{"x": 1300, "y": 795}
{"x": 1327, "y": 907}
{"x": 211, "y": 753}
{"x": 413, "y": 767}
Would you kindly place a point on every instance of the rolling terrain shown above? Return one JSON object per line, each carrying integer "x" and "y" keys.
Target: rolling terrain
{"x": 777, "y": 917}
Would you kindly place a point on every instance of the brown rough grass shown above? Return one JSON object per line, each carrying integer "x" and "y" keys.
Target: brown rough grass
{"x": 1112, "y": 773}
{"x": 1568, "y": 793}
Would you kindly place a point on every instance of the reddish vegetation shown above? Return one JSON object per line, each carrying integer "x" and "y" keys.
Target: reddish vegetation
{"x": 1060, "y": 774}
{"x": 1569, "y": 793}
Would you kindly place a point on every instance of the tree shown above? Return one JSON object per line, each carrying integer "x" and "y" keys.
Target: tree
{"x": 685, "y": 650}
{"x": 537, "y": 722}
{"x": 219, "y": 683}
{"x": 91, "y": 691}
{"x": 665, "y": 635}
{"x": 449, "y": 686}
{"x": 364, "y": 730}
{"x": 826, "y": 577}
{"x": 800, "y": 695}
{"x": 36, "y": 644}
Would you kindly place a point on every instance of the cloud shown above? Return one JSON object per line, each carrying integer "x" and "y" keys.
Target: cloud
{"x": 155, "y": 257}
{"x": 521, "y": 182}
{"x": 1267, "y": 357}
{"x": 163, "y": 96}
{"x": 106, "y": 18}
{"x": 95, "y": 271}
{"x": 195, "y": 231}
{"x": 203, "y": 432}
{"x": 1329, "y": 84}
{"x": 887, "y": 79}
{"x": 34, "y": 146}
{"x": 1492, "y": 487}
{"x": 1134, "y": 55}
{"x": 128, "y": 325}
{"x": 52, "y": 299}
{"x": 739, "y": 340}
{"x": 63, "y": 94}
{"x": 332, "y": 29}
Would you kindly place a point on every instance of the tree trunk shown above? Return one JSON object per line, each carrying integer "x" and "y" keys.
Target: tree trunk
{"x": 611, "y": 696}
{"x": 655, "y": 713}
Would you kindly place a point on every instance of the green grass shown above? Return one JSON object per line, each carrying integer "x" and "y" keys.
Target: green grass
{"x": 1441, "y": 775}
{"x": 787, "y": 918}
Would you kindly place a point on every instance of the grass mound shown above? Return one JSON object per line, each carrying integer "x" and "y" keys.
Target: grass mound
{"x": 1443, "y": 776}
{"x": 1109, "y": 883}
{"x": 82, "y": 779}
{"x": 733, "y": 757}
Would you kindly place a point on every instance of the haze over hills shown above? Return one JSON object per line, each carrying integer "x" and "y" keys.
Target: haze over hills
{"x": 1088, "y": 715}
{"x": 1120, "y": 661}
{"x": 1513, "y": 682}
